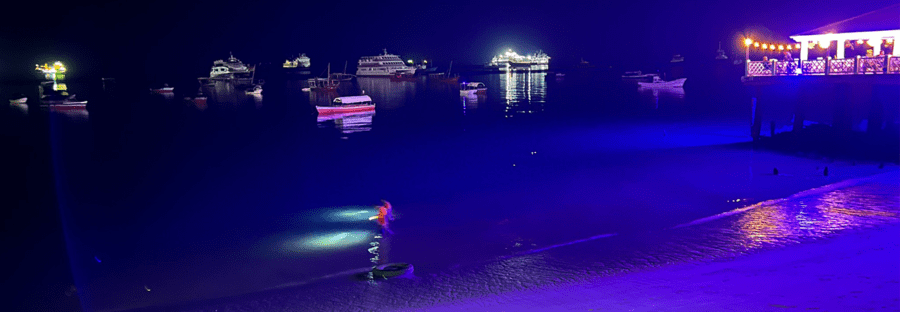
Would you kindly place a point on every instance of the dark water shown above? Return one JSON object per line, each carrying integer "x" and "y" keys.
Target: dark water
{"x": 164, "y": 201}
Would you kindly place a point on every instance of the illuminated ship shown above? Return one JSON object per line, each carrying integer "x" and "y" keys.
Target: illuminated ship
{"x": 56, "y": 72}
{"x": 232, "y": 68}
{"x": 512, "y": 61}
{"x": 301, "y": 61}
{"x": 383, "y": 65}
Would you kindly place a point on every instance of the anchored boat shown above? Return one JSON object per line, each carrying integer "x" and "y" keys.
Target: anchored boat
{"x": 348, "y": 104}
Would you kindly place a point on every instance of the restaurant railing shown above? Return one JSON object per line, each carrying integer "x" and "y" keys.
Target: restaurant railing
{"x": 849, "y": 66}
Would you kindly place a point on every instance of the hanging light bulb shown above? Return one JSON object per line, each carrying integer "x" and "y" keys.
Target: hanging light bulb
{"x": 781, "y": 47}
{"x": 765, "y": 46}
{"x": 748, "y": 41}
{"x": 797, "y": 46}
{"x": 772, "y": 47}
{"x": 824, "y": 44}
{"x": 788, "y": 47}
{"x": 756, "y": 44}
{"x": 859, "y": 41}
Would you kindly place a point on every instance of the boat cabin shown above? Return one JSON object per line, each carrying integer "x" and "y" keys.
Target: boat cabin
{"x": 473, "y": 86}
{"x": 353, "y": 100}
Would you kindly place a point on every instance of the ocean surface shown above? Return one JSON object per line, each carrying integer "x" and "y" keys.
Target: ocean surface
{"x": 164, "y": 201}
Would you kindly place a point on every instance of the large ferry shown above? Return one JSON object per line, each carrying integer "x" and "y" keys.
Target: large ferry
{"x": 512, "y": 61}
{"x": 383, "y": 65}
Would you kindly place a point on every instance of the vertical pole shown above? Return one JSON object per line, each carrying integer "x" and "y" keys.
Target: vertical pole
{"x": 840, "y": 49}
{"x": 747, "y": 62}
{"x": 804, "y": 50}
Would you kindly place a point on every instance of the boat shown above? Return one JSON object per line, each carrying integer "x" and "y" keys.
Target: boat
{"x": 229, "y": 69}
{"x": 445, "y": 77}
{"x": 56, "y": 72}
{"x": 512, "y": 61}
{"x": 18, "y": 98}
{"x": 472, "y": 88}
{"x": 584, "y": 65}
{"x": 659, "y": 83}
{"x": 324, "y": 84}
{"x": 638, "y": 76}
{"x": 383, "y": 65}
{"x": 677, "y": 58}
{"x": 257, "y": 89}
{"x": 347, "y": 104}
{"x": 301, "y": 61}
{"x": 165, "y": 89}
{"x": 720, "y": 54}
{"x": 56, "y": 95}
{"x": 402, "y": 77}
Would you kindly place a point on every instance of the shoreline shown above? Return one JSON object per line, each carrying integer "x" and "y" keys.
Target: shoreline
{"x": 547, "y": 279}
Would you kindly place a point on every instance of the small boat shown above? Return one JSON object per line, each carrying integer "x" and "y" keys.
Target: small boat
{"x": 165, "y": 89}
{"x": 257, "y": 89}
{"x": 659, "y": 83}
{"x": 638, "y": 76}
{"x": 471, "y": 88}
{"x": 445, "y": 77}
{"x": 347, "y": 104}
{"x": 402, "y": 77}
{"x": 57, "y": 102}
{"x": 18, "y": 98}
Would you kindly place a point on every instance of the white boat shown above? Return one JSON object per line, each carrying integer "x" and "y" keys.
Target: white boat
{"x": 165, "y": 89}
{"x": 383, "y": 65}
{"x": 512, "y": 61}
{"x": 18, "y": 99}
{"x": 232, "y": 68}
{"x": 348, "y": 104}
{"x": 659, "y": 83}
{"x": 471, "y": 88}
{"x": 639, "y": 76}
{"x": 257, "y": 89}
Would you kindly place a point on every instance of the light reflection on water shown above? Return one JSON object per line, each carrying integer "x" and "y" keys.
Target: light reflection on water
{"x": 523, "y": 92}
{"x": 817, "y": 216}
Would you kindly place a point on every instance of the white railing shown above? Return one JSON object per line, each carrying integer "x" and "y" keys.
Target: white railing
{"x": 851, "y": 66}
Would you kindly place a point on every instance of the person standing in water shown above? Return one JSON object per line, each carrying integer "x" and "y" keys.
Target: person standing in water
{"x": 385, "y": 215}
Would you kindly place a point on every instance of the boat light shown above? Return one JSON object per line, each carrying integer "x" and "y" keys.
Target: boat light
{"x": 409, "y": 61}
{"x": 748, "y": 41}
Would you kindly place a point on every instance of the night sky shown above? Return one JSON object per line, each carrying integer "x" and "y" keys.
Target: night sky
{"x": 184, "y": 37}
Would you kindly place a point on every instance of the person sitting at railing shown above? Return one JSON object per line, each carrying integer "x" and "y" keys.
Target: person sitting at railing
{"x": 766, "y": 64}
{"x": 789, "y": 66}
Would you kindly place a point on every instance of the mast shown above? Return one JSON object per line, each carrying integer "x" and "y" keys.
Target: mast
{"x": 329, "y": 75}
{"x": 449, "y": 69}
{"x": 345, "y": 65}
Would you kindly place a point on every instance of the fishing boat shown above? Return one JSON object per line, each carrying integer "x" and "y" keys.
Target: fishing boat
{"x": 347, "y": 104}
{"x": 472, "y": 88}
{"x": 18, "y": 98}
{"x": 659, "y": 83}
{"x": 324, "y": 84}
{"x": 445, "y": 77}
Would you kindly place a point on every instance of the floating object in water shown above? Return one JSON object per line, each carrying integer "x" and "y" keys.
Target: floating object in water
{"x": 775, "y": 171}
{"x": 825, "y": 171}
{"x": 391, "y": 270}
